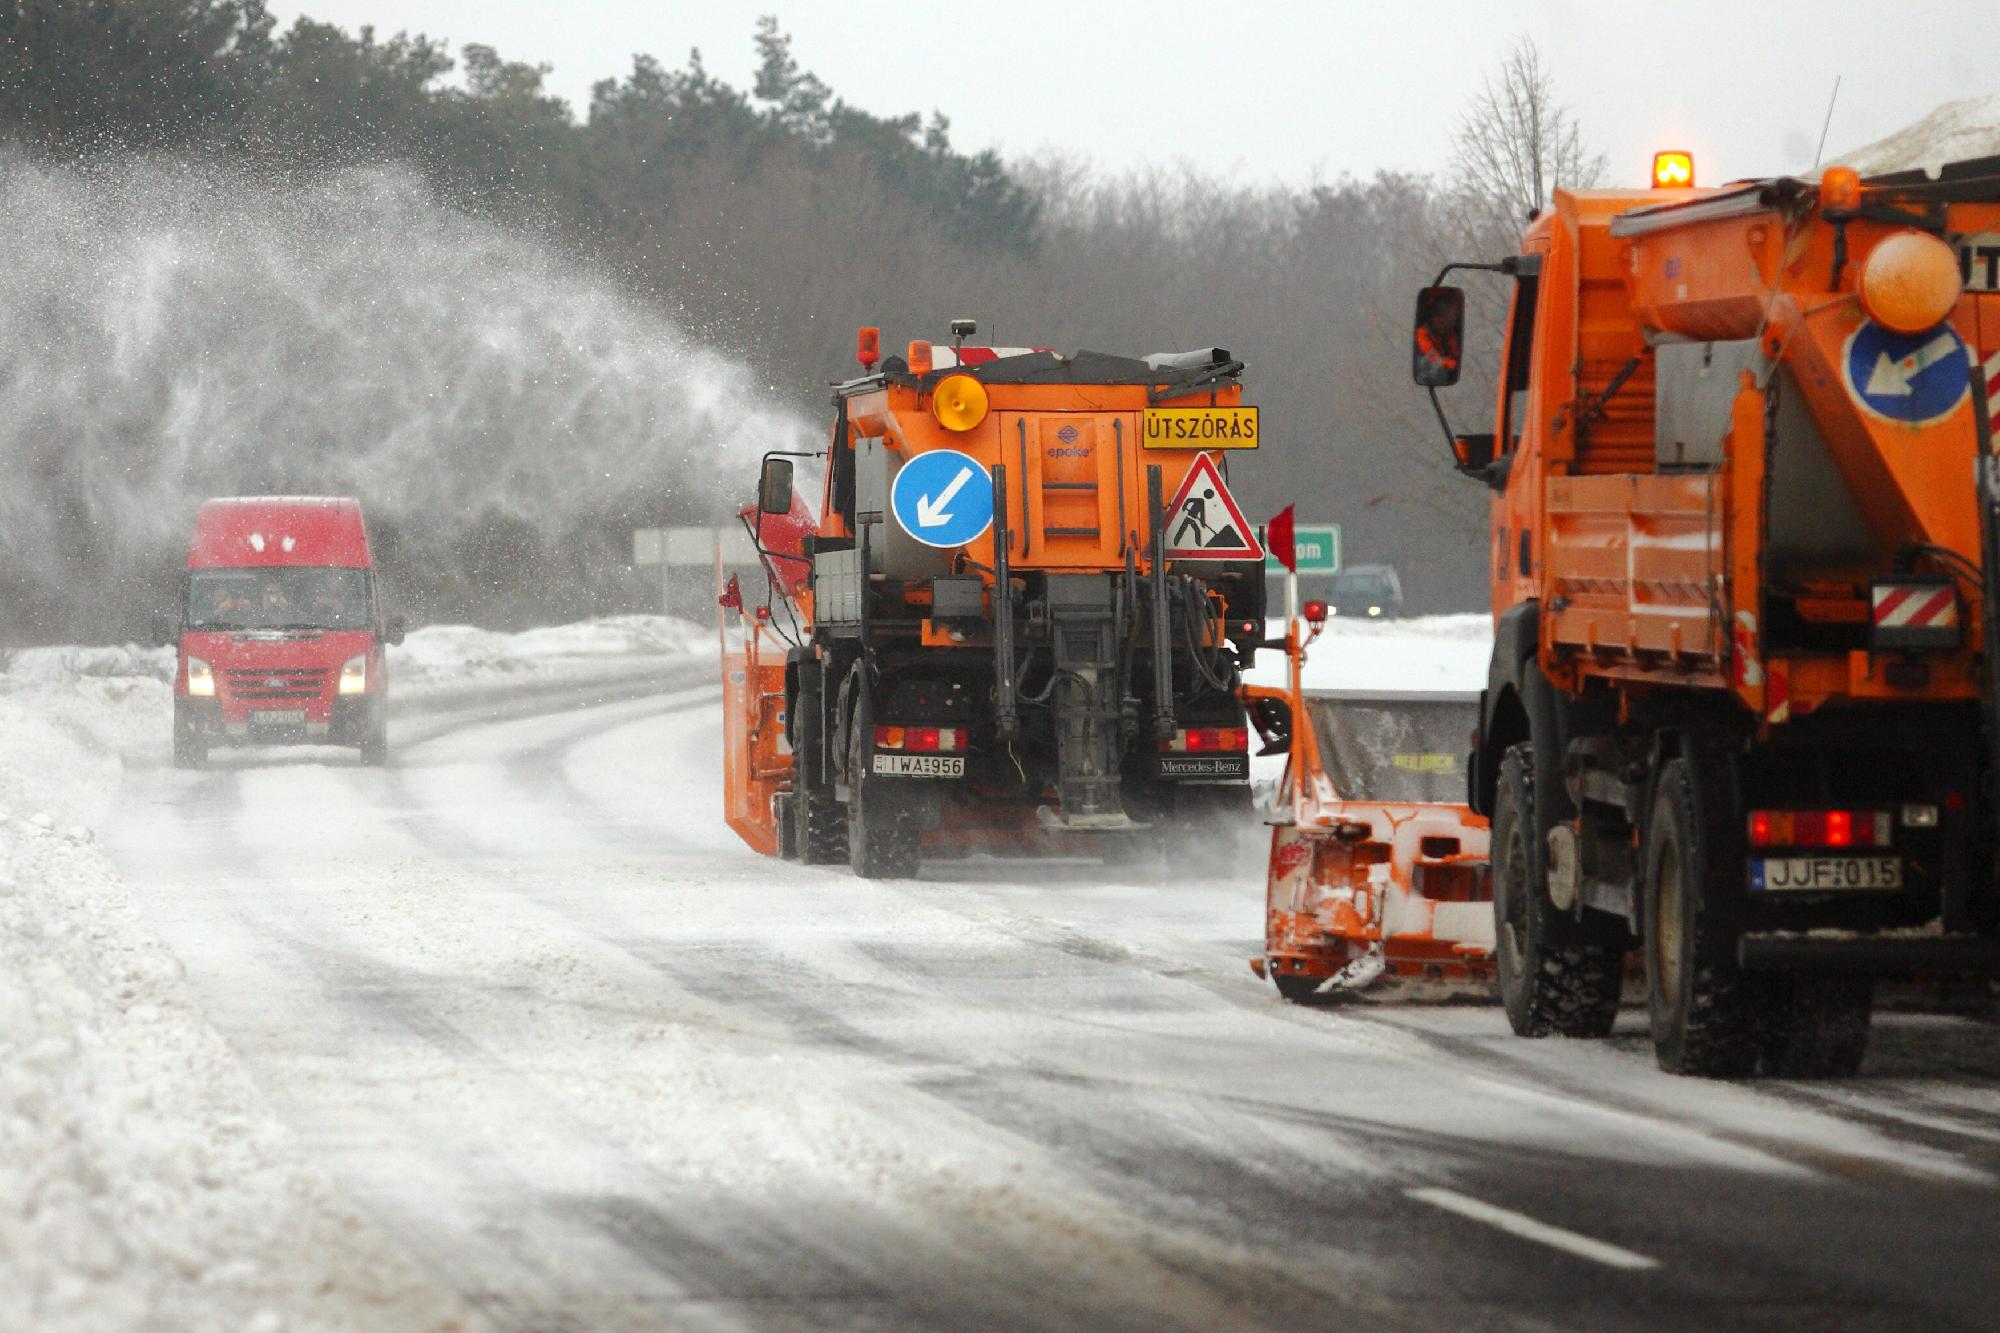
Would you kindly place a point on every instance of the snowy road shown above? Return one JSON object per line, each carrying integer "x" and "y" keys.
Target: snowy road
{"x": 597, "y": 1066}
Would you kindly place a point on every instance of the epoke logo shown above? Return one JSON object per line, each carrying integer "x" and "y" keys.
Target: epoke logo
{"x": 1067, "y": 435}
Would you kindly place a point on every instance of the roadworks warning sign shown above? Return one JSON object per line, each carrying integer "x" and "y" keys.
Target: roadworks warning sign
{"x": 1204, "y": 522}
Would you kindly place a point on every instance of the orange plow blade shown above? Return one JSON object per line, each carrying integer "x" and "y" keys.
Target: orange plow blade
{"x": 756, "y": 759}
{"x": 1377, "y": 868}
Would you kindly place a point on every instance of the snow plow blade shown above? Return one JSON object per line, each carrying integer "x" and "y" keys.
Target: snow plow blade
{"x": 756, "y": 758}
{"x": 1377, "y": 867}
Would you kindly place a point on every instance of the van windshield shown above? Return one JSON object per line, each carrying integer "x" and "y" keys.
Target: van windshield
{"x": 311, "y": 598}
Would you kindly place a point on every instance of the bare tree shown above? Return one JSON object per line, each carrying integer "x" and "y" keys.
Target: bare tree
{"x": 1516, "y": 145}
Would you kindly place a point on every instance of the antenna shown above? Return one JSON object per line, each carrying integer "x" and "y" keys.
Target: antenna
{"x": 1826, "y": 124}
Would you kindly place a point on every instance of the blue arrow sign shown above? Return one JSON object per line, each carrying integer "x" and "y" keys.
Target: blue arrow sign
{"x": 943, "y": 498}
{"x": 1914, "y": 378}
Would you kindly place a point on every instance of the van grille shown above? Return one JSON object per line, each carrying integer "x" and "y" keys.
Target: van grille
{"x": 265, "y": 683}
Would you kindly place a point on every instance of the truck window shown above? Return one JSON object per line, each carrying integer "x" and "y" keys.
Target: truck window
{"x": 840, "y": 466}
{"x": 291, "y": 597}
{"x": 1520, "y": 350}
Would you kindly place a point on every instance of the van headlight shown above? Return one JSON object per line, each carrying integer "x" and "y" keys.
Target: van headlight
{"x": 1374, "y": 610}
{"x": 354, "y": 674}
{"x": 201, "y": 678}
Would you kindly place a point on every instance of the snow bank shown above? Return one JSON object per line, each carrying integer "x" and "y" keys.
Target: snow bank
{"x": 1956, "y": 131}
{"x": 458, "y": 652}
{"x": 143, "y": 1182}
{"x": 432, "y": 654}
{"x": 1427, "y": 653}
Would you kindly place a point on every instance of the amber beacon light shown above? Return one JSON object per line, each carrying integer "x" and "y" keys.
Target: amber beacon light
{"x": 1910, "y": 282}
{"x": 1673, "y": 170}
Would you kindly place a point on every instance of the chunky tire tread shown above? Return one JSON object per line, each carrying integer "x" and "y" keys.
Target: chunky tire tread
{"x": 883, "y": 837}
{"x": 823, "y": 826}
{"x": 1552, "y": 984}
{"x": 1708, "y": 1028}
{"x": 820, "y": 819}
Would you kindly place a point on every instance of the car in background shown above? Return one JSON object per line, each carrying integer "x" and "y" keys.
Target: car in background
{"x": 1370, "y": 592}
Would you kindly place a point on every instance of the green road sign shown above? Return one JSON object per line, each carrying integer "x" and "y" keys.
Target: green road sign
{"x": 1318, "y": 550}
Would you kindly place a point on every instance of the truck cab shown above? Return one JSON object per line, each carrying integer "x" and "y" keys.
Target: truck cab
{"x": 280, "y": 631}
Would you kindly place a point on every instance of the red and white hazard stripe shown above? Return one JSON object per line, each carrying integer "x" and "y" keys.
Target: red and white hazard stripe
{"x": 1992, "y": 371}
{"x": 942, "y": 356}
{"x": 1915, "y": 606}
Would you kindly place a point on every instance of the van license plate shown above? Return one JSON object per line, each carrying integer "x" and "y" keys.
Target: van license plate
{"x": 920, "y": 765}
{"x": 277, "y": 717}
{"x": 1822, "y": 874}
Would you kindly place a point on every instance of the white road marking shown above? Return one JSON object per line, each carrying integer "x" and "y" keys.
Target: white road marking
{"x": 1527, "y": 1228}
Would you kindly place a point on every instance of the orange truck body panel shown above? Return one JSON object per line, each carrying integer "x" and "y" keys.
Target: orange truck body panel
{"x": 1649, "y": 576}
{"x": 1077, "y": 460}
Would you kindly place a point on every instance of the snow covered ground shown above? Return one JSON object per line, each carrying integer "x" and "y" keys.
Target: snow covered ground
{"x": 1446, "y": 653}
{"x": 144, "y": 1181}
{"x": 514, "y": 1031}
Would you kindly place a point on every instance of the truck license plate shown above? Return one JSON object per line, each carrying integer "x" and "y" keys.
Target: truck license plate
{"x": 920, "y": 765}
{"x": 1819, "y": 874}
{"x": 277, "y": 717}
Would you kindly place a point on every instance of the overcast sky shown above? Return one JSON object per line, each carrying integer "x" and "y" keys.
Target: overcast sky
{"x": 1271, "y": 90}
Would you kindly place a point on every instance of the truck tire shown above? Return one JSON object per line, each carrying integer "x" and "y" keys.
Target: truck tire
{"x": 190, "y": 748}
{"x": 785, "y": 818}
{"x": 819, "y": 821}
{"x": 883, "y": 832}
{"x": 1820, "y": 1028}
{"x": 375, "y": 745}
{"x": 1550, "y": 982}
{"x": 1701, "y": 1005}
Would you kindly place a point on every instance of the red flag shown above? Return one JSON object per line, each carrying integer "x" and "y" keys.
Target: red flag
{"x": 1280, "y": 541}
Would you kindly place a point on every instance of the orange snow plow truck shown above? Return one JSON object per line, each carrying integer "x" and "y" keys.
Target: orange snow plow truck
{"x": 1745, "y": 540}
{"x": 1016, "y": 616}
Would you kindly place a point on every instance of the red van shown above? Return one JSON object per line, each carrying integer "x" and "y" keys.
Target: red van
{"x": 281, "y": 630}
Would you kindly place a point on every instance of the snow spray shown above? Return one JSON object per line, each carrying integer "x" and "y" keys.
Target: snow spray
{"x": 170, "y": 332}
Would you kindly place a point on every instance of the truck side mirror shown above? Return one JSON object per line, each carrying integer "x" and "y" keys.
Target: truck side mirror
{"x": 774, "y": 488}
{"x": 395, "y": 630}
{"x": 1439, "y": 337}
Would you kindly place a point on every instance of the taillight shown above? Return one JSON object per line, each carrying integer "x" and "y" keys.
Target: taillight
{"x": 1207, "y": 740}
{"x": 921, "y": 740}
{"x": 1821, "y": 828}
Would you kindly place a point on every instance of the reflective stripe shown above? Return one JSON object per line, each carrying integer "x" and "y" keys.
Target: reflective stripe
{"x": 1914, "y": 606}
